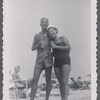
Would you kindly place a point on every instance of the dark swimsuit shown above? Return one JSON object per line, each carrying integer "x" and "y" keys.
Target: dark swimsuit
{"x": 61, "y": 56}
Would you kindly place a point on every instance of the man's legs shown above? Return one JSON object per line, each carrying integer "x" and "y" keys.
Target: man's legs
{"x": 37, "y": 72}
{"x": 29, "y": 82}
{"x": 48, "y": 81}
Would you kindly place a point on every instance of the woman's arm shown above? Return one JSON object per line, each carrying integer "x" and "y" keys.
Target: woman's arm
{"x": 66, "y": 47}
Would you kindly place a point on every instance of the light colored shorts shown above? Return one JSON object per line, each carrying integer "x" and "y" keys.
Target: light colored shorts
{"x": 44, "y": 62}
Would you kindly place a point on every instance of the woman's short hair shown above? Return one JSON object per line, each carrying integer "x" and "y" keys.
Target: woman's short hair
{"x": 49, "y": 38}
{"x": 53, "y": 28}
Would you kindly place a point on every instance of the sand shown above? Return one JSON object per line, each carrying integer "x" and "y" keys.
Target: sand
{"x": 73, "y": 95}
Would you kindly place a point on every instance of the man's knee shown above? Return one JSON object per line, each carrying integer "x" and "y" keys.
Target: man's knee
{"x": 64, "y": 82}
{"x": 34, "y": 81}
{"x": 48, "y": 82}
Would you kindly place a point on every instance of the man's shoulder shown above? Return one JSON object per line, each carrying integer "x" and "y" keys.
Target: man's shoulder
{"x": 38, "y": 34}
{"x": 14, "y": 74}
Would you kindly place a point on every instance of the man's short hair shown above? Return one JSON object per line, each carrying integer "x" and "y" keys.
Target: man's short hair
{"x": 44, "y": 18}
{"x": 17, "y": 67}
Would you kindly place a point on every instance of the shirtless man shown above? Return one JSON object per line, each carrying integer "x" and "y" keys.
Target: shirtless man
{"x": 17, "y": 78}
{"x": 43, "y": 60}
{"x": 20, "y": 82}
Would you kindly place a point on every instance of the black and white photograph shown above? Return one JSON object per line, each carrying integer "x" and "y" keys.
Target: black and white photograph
{"x": 49, "y": 50}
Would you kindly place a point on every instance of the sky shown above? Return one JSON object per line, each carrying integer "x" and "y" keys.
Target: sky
{"x": 71, "y": 17}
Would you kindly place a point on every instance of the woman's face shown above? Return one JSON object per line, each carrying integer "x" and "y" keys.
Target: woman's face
{"x": 52, "y": 33}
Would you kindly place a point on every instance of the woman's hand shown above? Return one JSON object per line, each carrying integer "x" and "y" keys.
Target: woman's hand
{"x": 52, "y": 42}
{"x": 53, "y": 46}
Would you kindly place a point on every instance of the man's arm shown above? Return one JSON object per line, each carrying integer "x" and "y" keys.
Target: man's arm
{"x": 34, "y": 45}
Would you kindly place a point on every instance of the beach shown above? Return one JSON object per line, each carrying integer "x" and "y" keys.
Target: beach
{"x": 55, "y": 95}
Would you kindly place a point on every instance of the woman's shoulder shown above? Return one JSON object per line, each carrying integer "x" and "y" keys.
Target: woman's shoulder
{"x": 62, "y": 38}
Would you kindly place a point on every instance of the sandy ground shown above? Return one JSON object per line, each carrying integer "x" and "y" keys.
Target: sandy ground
{"x": 73, "y": 95}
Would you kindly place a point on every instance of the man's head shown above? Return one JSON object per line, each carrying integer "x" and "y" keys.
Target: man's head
{"x": 17, "y": 69}
{"x": 44, "y": 23}
{"x": 79, "y": 78}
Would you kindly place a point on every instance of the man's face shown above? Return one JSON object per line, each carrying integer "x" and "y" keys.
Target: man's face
{"x": 17, "y": 69}
{"x": 44, "y": 23}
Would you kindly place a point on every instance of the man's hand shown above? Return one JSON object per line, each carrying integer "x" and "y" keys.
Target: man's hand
{"x": 41, "y": 44}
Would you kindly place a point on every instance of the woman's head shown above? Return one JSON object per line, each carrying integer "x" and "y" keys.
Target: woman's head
{"x": 52, "y": 31}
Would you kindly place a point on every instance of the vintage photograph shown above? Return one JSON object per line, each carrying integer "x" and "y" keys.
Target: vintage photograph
{"x": 49, "y": 50}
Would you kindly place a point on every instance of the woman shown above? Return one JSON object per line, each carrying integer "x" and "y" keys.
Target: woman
{"x": 61, "y": 49}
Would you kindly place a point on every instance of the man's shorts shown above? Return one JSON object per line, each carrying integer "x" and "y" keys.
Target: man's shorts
{"x": 44, "y": 62}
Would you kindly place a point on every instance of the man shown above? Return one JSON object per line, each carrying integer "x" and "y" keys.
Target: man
{"x": 16, "y": 77}
{"x": 43, "y": 60}
{"x": 79, "y": 81}
{"x": 19, "y": 82}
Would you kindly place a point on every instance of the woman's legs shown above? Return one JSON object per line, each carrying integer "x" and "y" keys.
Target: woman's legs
{"x": 58, "y": 75}
{"x": 48, "y": 81}
{"x": 34, "y": 83}
{"x": 65, "y": 71}
{"x": 62, "y": 75}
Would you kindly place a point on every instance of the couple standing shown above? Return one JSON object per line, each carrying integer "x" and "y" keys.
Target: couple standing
{"x": 43, "y": 42}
